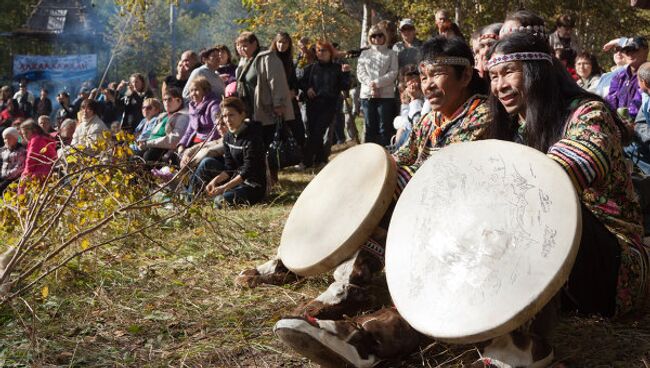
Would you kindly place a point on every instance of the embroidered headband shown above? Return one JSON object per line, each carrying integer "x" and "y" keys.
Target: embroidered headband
{"x": 525, "y": 29}
{"x": 519, "y": 56}
{"x": 447, "y": 60}
{"x": 489, "y": 35}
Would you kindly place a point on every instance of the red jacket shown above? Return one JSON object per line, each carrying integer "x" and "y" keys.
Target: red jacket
{"x": 41, "y": 154}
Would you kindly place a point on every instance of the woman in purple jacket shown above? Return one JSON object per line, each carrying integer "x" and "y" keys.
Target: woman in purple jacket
{"x": 204, "y": 110}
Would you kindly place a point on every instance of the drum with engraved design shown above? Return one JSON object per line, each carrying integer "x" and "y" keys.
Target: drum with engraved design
{"x": 336, "y": 213}
{"x": 482, "y": 237}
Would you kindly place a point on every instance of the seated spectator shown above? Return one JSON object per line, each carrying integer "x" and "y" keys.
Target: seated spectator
{"x": 65, "y": 132}
{"x": 9, "y": 114}
{"x": 168, "y": 130}
{"x": 588, "y": 70}
{"x": 624, "y": 93}
{"x": 90, "y": 128}
{"x": 41, "y": 151}
{"x": 203, "y": 109}
{"x": 207, "y": 158}
{"x": 25, "y": 100}
{"x": 109, "y": 111}
{"x": 45, "y": 124}
{"x": 243, "y": 180}
{"x": 151, "y": 108}
{"x": 13, "y": 158}
{"x": 412, "y": 102}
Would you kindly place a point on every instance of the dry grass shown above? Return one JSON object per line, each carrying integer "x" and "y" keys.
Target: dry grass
{"x": 168, "y": 300}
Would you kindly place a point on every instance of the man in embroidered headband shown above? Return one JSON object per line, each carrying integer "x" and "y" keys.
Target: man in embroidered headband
{"x": 317, "y": 330}
{"x": 535, "y": 102}
{"x": 488, "y": 36}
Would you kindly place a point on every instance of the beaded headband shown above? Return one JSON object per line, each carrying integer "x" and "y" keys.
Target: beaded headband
{"x": 447, "y": 60}
{"x": 524, "y": 29}
{"x": 519, "y": 56}
{"x": 489, "y": 35}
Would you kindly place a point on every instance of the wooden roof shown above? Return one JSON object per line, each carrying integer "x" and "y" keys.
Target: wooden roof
{"x": 58, "y": 18}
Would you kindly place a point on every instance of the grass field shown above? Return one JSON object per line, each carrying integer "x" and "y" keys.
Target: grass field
{"x": 167, "y": 299}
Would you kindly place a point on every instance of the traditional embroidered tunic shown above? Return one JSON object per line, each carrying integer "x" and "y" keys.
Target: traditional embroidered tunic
{"x": 433, "y": 132}
{"x": 591, "y": 153}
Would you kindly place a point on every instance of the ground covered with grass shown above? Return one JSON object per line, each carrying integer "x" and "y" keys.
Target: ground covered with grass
{"x": 166, "y": 298}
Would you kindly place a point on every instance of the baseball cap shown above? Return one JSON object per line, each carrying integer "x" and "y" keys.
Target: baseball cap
{"x": 635, "y": 43}
{"x": 406, "y": 22}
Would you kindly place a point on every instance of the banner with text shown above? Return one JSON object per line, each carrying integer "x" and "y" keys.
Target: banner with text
{"x": 56, "y": 73}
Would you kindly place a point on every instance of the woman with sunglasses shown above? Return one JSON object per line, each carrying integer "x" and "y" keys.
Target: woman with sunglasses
{"x": 168, "y": 130}
{"x": 151, "y": 107}
{"x": 377, "y": 72}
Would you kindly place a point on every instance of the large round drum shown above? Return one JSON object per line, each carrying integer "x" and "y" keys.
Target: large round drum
{"x": 338, "y": 210}
{"x": 483, "y": 236}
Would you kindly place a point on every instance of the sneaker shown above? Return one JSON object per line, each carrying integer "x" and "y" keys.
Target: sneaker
{"x": 362, "y": 341}
{"x": 325, "y": 344}
{"x": 272, "y": 272}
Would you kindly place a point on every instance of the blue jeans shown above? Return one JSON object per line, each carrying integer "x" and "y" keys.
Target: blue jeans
{"x": 208, "y": 168}
{"x": 378, "y": 115}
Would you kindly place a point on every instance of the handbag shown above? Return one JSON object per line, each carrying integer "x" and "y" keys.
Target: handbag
{"x": 284, "y": 150}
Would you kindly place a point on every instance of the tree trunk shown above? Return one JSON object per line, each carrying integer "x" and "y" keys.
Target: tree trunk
{"x": 366, "y": 23}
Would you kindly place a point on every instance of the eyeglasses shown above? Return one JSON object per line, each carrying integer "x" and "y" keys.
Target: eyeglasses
{"x": 148, "y": 107}
{"x": 377, "y": 36}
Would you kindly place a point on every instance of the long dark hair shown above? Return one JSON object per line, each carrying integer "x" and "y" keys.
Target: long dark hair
{"x": 549, "y": 91}
{"x": 455, "y": 46}
{"x": 287, "y": 56}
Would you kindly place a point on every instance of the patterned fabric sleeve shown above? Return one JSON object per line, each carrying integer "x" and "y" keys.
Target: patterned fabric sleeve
{"x": 586, "y": 150}
{"x": 408, "y": 153}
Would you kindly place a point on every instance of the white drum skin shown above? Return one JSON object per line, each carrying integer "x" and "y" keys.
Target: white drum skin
{"x": 338, "y": 210}
{"x": 482, "y": 237}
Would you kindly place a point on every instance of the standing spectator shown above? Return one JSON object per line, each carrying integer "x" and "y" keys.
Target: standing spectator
{"x": 443, "y": 20}
{"x": 43, "y": 104}
{"x": 262, "y": 85}
{"x": 41, "y": 150}
{"x": 65, "y": 110}
{"x": 25, "y": 99}
{"x": 204, "y": 111}
{"x": 188, "y": 62}
{"x": 5, "y": 96}
{"x": 588, "y": 70}
{"x": 408, "y": 49}
{"x": 131, "y": 103}
{"x": 84, "y": 92}
{"x": 283, "y": 47}
{"x": 90, "y": 127}
{"x": 564, "y": 37}
{"x": 109, "y": 112}
{"x": 322, "y": 83}
{"x": 208, "y": 71}
{"x": 13, "y": 158}
{"x": 624, "y": 90}
{"x": 377, "y": 72}
{"x": 226, "y": 69}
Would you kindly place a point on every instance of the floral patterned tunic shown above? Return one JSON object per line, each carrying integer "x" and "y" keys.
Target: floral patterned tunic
{"x": 591, "y": 153}
{"x": 434, "y": 132}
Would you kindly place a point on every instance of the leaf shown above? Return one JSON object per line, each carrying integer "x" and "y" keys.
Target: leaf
{"x": 45, "y": 291}
{"x": 85, "y": 244}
